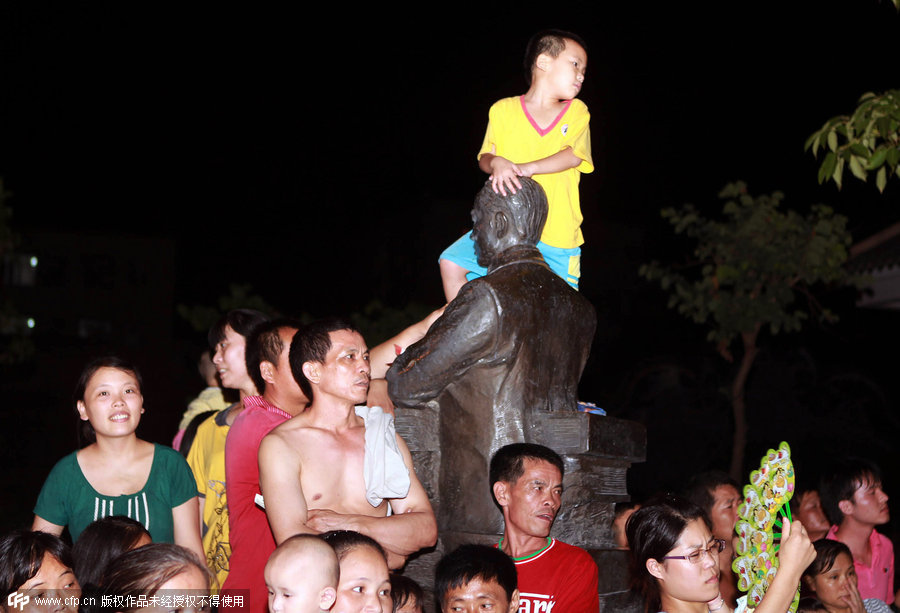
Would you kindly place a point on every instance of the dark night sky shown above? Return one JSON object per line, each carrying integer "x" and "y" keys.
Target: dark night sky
{"x": 337, "y": 141}
{"x": 328, "y": 159}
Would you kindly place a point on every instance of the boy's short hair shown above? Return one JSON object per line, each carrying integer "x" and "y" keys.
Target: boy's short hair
{"x": 550, "y": 42}
{"x": 840, "y": 482}
{"x": 404, "y": 589}
{"x": 508, "y": 464}
{"x": 469, "y": 562}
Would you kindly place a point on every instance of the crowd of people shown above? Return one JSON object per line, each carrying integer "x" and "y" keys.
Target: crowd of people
{"x": 272, "y": 502}
{"x": 303, "y": 465}
{"x": 683, "y": 545}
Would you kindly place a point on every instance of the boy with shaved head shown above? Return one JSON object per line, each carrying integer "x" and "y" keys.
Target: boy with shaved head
{"x": 302, "y": 576}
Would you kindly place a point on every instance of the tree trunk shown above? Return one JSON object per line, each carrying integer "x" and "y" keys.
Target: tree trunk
{"x": 738, "y": 405}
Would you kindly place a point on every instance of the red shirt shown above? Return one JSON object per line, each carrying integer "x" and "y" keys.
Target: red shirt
{"x": 561, "y": 578}
{"x": 876, "y": 580}
{"x": 251, "y": 538}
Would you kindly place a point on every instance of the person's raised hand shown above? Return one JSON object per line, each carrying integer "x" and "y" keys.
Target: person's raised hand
{"x": 504, "y": 176}
{"x": 796, "y": 551}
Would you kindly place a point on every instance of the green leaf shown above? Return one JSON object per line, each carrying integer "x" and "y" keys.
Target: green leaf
{"x": 859, "y": 150}
{"x": 812, "y": 141}
{"x": 877, "y": 159}
{"x": 893, "y": 156}
{"x": 881, "y": 178}
{"x": 827, "y": 167}
{"x": 856, "y": 168}
{"x": 832, "y": 140}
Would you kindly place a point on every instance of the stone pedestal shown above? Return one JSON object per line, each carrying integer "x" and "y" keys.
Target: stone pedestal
{"x": 597, "y": 452}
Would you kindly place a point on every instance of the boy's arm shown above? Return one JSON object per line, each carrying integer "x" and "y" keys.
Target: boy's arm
{"x": 505, "y": 174}
{"x": 558, "y": 162}
{"x": 381, "y": 357}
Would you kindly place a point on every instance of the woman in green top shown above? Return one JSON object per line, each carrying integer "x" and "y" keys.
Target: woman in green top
{"x": 118, "y": 473}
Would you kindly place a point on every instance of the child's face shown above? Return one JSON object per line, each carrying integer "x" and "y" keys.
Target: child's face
{"x": 294, "y": 589}
{"x": 365, "y": 586}
{"x": 478, "y": 595}
{"x": 565, "y": 72}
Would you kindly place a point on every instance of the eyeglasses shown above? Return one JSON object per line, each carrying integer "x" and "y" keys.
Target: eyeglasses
{"x": 716, "y": 546}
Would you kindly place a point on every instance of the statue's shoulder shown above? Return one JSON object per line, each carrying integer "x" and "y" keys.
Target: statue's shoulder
{"x": 477, "y": 290}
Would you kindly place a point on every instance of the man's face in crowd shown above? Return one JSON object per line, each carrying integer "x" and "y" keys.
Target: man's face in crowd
{"x": 810, "y": 513}
{"x": 534, "y": 499}
{"x": 869, "y": 504}
{"x": 478, "y": 595}
{"x": 724, "y": 512}
{"x": 345, "y": 371}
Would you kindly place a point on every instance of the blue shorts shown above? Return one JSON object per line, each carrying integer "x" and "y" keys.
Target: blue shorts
{"x": 564, "y": 262}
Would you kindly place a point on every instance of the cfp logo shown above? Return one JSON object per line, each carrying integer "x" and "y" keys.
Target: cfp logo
{"x": 18, "y": 601}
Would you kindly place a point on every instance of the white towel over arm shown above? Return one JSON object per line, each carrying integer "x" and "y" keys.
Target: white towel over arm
{"x": 385, "y": 473}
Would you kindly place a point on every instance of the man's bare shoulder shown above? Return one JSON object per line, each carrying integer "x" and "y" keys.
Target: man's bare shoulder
{"x": 305, "y": 427}
{"x": 293, "y": 429}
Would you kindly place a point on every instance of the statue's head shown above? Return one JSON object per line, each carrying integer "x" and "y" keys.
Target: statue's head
{"x": 501, "y": 222}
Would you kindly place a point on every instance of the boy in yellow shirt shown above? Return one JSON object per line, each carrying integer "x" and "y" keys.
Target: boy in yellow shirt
{"x": 543, "y": 134}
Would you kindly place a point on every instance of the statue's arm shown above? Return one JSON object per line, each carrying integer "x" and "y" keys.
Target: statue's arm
{"x": 465, "y": 334}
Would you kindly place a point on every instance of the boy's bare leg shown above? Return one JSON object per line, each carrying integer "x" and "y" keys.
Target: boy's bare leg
{"x": 453, "y": 276}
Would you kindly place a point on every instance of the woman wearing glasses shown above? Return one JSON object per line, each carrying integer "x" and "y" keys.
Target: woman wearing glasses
{"x": 675, "y": 562}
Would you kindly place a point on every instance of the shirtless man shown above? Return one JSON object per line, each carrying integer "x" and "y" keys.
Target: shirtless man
{"x": 311, "y": 467}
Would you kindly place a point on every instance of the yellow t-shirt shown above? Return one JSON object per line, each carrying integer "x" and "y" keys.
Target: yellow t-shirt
{"x": 207, "y": 461}
{"x": 514, "y": 135}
